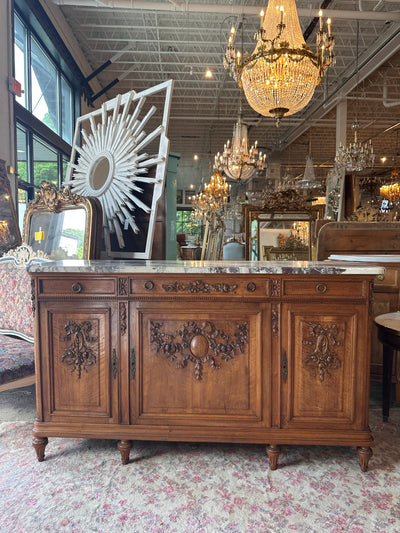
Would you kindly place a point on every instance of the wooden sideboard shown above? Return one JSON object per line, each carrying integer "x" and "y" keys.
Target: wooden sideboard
{"x": 250, "y": 354}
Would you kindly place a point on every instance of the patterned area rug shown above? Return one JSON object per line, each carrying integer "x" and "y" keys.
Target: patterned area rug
{"x": 82, "y": 487}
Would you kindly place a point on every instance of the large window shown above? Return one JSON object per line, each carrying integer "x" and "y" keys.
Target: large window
{"x": 46, "y": 110}
{"x": 185, "y": 223}
{"x": 47, "y": 93}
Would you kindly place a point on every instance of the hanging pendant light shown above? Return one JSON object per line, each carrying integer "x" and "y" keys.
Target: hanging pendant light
{"x": 238, "y": 161}
{"x": 280, "y": 76}
{"x": 356, "y": 156}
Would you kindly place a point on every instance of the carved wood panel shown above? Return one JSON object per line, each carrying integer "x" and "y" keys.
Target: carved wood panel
{"x": 322, "y": 383}
{"x": 204, "y": 361}
{"x": 79, "y": 361}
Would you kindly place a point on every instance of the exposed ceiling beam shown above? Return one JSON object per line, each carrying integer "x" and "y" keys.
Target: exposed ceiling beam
{"x": 393, "y": 16}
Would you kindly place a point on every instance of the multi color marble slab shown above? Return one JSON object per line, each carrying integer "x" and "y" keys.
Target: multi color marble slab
{"x": 209, "y": 267}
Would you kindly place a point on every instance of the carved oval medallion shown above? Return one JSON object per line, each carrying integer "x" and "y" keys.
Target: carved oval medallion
{"x": 199, "y": 346}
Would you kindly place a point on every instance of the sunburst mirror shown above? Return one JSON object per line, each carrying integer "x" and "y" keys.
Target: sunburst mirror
{"x": 109, "y": 161}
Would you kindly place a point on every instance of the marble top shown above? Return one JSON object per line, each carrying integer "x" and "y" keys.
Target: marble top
{"x": 207, "y": 267}
{"x": 390, "y": 321}
{"x": 373, "y": 258}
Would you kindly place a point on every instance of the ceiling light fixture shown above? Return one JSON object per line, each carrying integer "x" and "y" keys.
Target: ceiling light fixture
{"x": 356, "y": 156}
{"x": 280, "y": 76}
{"x": 238, "y": 161}
{"x": 214, "y": 197}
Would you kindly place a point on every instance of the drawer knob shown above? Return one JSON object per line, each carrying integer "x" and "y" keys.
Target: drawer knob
{"x": 321, "y": 288}
{"x": 149, "y": 285}
{"x": 251, "y": 287}
{"x": 76, "y": 288}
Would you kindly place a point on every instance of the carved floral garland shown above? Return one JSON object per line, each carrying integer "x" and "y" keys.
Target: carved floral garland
{"x": 198, "y": 343}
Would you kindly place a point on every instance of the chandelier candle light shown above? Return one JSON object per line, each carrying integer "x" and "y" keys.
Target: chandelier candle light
{"x": 214, "y": 197}
{"x": 355, "y": 156}
{"x": 280, "y": 76}
{"x": 237, "y": 161}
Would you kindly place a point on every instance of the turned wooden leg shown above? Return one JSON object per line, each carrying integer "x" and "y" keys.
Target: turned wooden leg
{"x": 364, "y": 454}
{"x": 40, "y": 443}
{"x": 273, "y": 452}
{"x": 124, "y": 446}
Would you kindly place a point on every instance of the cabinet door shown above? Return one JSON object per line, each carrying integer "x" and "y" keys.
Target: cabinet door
{"x": 325, "y": 366}
{"x": 79, "y": 362}
{"x": 200, "y": 364}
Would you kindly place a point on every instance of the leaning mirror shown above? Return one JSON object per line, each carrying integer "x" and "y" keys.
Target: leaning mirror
{"x": 282, "y": 229}
{"x": 9, "y": 231}
{"x": 63, "y": 225}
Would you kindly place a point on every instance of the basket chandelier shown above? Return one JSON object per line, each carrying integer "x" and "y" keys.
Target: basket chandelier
{"x": 280, "y": 76}
{"x": 238, "y": 161}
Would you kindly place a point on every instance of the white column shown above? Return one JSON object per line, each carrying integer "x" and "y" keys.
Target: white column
{"x": 341, "y": 129}
{"x": 341, "y": 123}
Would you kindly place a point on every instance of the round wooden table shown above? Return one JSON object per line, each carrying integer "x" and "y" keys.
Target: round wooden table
{"x": 389, "y": 335}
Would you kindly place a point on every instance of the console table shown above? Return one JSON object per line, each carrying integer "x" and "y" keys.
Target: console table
{"x": 247, "y": 352}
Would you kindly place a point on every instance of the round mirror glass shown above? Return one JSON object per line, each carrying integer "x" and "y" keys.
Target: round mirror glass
{"x": 99, "y": 173}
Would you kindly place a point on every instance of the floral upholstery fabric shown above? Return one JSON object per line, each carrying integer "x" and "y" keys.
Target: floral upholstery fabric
{"x": 15, "y": 295}
{"x": 16, "y": 316}
{"x": 16, "y": 359}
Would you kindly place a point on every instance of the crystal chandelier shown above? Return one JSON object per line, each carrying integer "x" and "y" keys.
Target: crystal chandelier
{"x": 280, "y": 76}
{"x": 238, "y": 161}
{"x": 355, "y": 156}
{"x": 391, "y": 192}
{"x": 214, "y": 197}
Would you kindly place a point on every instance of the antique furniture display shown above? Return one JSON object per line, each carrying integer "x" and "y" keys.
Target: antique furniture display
{"x": 9, "y": 231}
{"x": 214, "y": 351}
{"x": 213, "y": 240}
{"x": 377, "y": 243}
{"x": 63, "y": 225}
{"x": 389, "y": 334}
{"x": 280, "y": 230}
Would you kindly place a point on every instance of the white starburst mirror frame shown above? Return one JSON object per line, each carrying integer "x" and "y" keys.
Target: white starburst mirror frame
{"x": 111, "y": 164}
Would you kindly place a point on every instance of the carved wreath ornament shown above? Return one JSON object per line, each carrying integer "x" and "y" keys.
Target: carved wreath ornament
{"x": 198, "y": 343}
{"x": 78, "y": 353}
{"x": 322, "y": 358}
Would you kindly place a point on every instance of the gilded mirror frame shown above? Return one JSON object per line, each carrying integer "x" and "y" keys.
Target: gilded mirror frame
{"x": 49, "y": 199}
{"x": 283, "y": 206}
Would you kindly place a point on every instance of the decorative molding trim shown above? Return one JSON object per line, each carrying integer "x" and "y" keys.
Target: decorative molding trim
{"x": 33, "y": 298}
{"x": 53, "y": 199}
{"x": 322, "y": 358}
{"x": 122, "y": 318}
{"x": 275, "y": 320}
{"x": 198, "y": 343}
{"x": 276, "y": 285}
{"x": 78, "y": 353}
{"x": 287, "y": 200}
{"x": 199, "y": 286}
{"x": 123, "y": 286}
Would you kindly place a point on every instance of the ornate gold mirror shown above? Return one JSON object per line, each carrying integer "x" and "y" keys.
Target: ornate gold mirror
{"x": 281, "y": 230}
{"x": 63, "y": 225}
{"x": 9, "y": 231}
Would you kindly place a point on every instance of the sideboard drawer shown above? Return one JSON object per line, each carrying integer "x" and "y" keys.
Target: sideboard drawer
{"x": 207, "y": 286}
{"x": 323, "y": 288}
{"x": 78, "y": 286}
